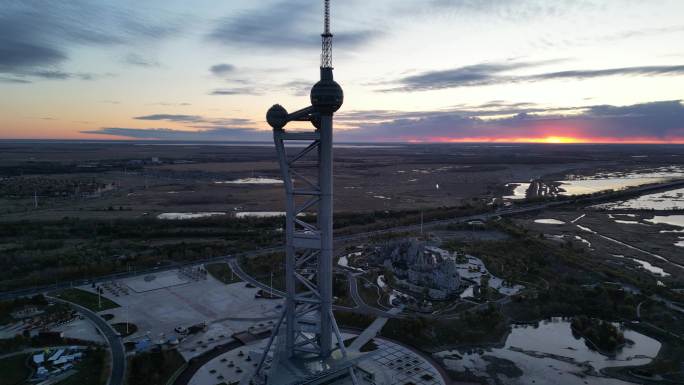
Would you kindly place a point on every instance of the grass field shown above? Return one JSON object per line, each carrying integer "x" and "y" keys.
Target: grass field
{"x": 154, "y": 368}
{"x": 222, "y": 272}
{"x": 86, "y": 299}
{"x": 370, "y": 294}
{"x": 14, "y": 370}
{"x": 121, "y": 328}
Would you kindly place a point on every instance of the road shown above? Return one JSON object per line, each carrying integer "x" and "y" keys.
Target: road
{"x": 361, "y": 306}
{"x": 117, "y": 375}
{"x": 638, "y": 310}
{"x": 235, "y": 266}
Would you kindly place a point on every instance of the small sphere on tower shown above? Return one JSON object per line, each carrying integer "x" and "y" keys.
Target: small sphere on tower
{"x": 277, "y": 116}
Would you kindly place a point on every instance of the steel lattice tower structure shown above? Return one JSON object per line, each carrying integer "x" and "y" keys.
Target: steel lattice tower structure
{"x": 309, "y": 323}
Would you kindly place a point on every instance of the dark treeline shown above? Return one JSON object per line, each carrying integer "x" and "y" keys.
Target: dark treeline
{"x": 48, "y": 252}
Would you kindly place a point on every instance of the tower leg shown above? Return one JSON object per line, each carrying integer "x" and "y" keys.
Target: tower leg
{"x": 325, "y": 211}
{"x": 290, "y": 288}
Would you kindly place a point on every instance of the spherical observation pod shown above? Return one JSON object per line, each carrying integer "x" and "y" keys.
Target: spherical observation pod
{"x": 277, "y": 116}
{"x": 326, "y": 95}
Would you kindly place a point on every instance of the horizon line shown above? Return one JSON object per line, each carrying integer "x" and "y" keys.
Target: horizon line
{"x": 407, "y": 142}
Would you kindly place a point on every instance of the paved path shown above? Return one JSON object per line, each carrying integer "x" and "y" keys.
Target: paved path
{"x": 371, "y": 331}
{"x": 361, "y": 306}
{"x": 118, "y": 373}
{"x": 639, "y": 310}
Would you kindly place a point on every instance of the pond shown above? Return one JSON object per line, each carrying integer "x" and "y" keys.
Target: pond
{"x": 668, "y": 200}
{"x": 519, "y": 190}
{"x": 259, "y": 214}
{"x": 647, "y": 266}
{"x": 548, "y": 353}
{"x": 672, "y": 220}
{"x": 250, "y": 181}
{"x": 589, "y": 184}
{"x": 188, "y": 215}
{"x": 549, "y": 221}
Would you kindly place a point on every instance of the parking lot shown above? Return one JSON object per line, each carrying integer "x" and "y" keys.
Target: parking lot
{"x": 159, "y": 304}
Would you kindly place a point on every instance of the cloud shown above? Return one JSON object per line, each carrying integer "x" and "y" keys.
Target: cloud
{"x": 235, "y": 91}
{"x": 140, "y": 61}
{"x": 170, "y": 104}
{"x": 59, "y": 75}
{"x": 222, "y": 69}
{"x": 195, "y": 127}
{"x": 197, "y": 121}
{"x": 299, "y": 87}
{"x": 276, "y": 26}
{"x": 657, "y": 121}
{"x": 13, "y": 80}
{"x": 17, "y": 55}
{"x": 587, "y": 74}
{"x": 490, "y": 109}
{"x": 351, "y": 39}
{"x": 171, "y": 117}
{"x": 473, "y": 75}
{"x": 508, "y": 10}
{"x": 36, "y": 36}
{"x": 486, "y": 74}
{"x": 229, "y": 121}
{"x": 217, "y": 133}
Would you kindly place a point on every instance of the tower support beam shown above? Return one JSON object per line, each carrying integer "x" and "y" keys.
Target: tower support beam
{"x": 325, "y": 225}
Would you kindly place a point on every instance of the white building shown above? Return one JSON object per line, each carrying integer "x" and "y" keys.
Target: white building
{"x": 38, "y": 359}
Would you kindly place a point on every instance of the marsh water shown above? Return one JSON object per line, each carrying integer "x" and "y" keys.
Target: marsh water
{"x": 549, "y": 353}
{"x": 582, "y": 184}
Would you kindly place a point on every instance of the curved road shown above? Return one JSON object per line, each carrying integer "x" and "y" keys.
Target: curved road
{"x": 232, "y": 262}
{"x": 361, "y": 307}
{"x": 117, "y": 376}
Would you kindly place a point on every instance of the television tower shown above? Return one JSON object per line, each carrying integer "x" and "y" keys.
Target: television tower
{"x": 310, "y": 332}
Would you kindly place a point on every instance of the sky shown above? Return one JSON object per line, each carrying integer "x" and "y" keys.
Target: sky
{"x": 412, "y": 70}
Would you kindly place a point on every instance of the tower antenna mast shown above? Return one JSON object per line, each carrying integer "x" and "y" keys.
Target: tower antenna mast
{"x": 326, "y": 54}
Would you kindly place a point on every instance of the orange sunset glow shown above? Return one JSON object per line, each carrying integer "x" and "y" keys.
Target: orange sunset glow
{"x": 550, "y": 140}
